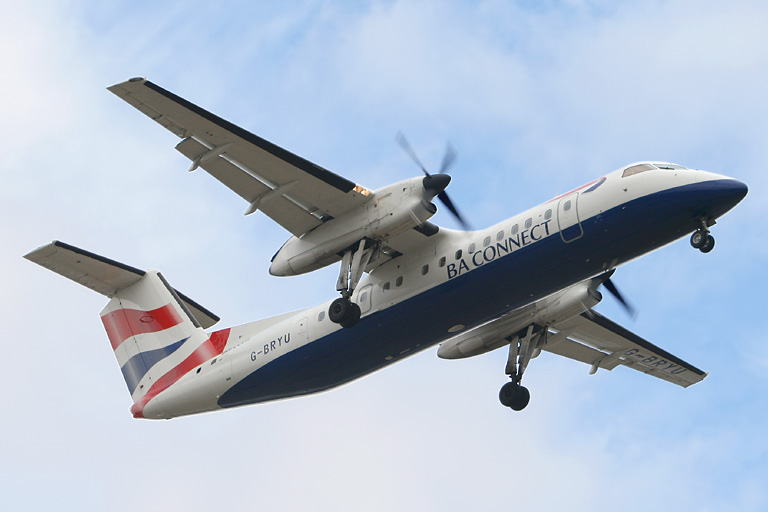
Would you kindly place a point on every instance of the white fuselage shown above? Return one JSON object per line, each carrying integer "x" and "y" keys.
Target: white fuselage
{"x": 453, "y": 283}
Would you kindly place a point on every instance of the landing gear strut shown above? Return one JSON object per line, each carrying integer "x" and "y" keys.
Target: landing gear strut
{"x": 701, "y": 239}
{"x": 342, "y": 310}
{"x": 523, "y": 347}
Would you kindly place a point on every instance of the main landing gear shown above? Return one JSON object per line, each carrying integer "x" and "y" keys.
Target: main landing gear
{"x": 701, "y": 239}
{"x": 523, "y": 347}
{"x": 343, "y": 311}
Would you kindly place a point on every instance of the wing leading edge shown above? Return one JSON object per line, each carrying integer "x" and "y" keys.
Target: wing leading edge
{"x": 594, "y": 339}
{"x": 294, "y": 192}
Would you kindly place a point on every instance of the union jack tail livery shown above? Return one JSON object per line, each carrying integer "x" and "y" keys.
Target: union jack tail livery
{"x": 156, "y": 333}
{"x": 151, "y": 332}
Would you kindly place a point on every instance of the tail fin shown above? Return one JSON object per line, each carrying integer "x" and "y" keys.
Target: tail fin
{"x": 156, "y": 333}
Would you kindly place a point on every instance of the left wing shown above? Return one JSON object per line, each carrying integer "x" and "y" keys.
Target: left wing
{"x": 294, "y": 192}
{"x": 594, "y": 339}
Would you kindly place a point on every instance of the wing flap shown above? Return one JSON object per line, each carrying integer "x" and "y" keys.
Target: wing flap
{"x": 312, "y": 188}
{"x": 579, "y": 352}
{"x": 279, "y": 208}
{"x": 596, "y": 340}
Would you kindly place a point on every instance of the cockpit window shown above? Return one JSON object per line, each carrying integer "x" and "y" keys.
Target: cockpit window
{"x": 673, "y": 167}
{"x": 637, "y": 169}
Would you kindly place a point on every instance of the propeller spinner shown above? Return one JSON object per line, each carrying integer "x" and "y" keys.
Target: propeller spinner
{"x": 436, "y": 183}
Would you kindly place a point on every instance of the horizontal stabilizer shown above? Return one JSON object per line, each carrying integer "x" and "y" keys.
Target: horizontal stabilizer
{"x": 103, "y": 275}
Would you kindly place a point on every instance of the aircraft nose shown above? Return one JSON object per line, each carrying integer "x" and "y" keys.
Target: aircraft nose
{"x": 739, "y": 188}
{"x": 729, "y": 193}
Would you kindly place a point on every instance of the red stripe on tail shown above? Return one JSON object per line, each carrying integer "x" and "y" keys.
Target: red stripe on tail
{"x": 212, "y": 347}
{"x": 125, "y": 323}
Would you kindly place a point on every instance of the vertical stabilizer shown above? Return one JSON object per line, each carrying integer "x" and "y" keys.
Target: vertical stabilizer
{"x": 157, "y": 334}
{"x": 151, "y": 332}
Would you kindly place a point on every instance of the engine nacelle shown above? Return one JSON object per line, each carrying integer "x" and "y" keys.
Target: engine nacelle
{"x": 548, "y": 311}
{"x": 389, "y": 212}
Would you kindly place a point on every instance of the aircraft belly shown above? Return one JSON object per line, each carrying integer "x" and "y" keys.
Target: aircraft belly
{"x": 487, "y": 291}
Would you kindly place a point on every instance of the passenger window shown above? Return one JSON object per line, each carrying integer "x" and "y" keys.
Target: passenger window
{"x": 528, "y": 223}
{"x": 386, "y": 285}
{"x": 567, "y": 205}
{"x": 458, "y": 254}
{"x": 363, "y": 297}
{"x": 500, "y": 235}
{"x": 399, "y": 281}
{"x": 487, "y": 241}
{"x": 424, "y": 270}
{"x": 471, "y": 248}
{"x": 321, "y": 316}
{"x": 548, "y": 215}
{"x": 442, "y": 262}
{"x": 514, "y": 230}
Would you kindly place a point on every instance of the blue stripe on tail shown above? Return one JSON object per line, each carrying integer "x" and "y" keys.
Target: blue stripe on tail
{"x": 138, "y": 366}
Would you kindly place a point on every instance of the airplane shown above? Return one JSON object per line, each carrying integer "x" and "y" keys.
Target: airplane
{"x": 528, "y": 283}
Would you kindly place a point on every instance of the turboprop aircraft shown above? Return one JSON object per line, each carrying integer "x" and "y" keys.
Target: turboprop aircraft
{"x": 528, "y": 283}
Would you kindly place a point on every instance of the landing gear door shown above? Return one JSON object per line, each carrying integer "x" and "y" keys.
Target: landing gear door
{"x": 568, "y": 218}
{"x": 364, "y": 298}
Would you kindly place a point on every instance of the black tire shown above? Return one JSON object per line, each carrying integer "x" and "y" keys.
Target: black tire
{"x": 340, "y": 310}
{"x": 354, "y": 316}
{"x": 521, "y": 400}
{"x": 698, "y": 238}
{"x": 708, "y": 244}
{"x": 507, "y": 394}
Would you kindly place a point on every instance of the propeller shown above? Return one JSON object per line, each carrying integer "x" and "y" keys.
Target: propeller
{"x": 611, "y": 287}
{"x": 436, "y": 183}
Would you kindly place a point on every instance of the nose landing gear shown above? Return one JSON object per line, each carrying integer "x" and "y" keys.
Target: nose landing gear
{"x": 701, "y": 239}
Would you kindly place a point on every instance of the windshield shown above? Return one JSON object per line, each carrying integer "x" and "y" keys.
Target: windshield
{"x": 638, "y": 168}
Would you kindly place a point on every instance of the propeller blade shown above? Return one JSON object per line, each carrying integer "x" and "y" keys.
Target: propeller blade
{"x": 436, "y": 183}
{"x": 615, "y": 292}
{"x": 443, "y": 196}
{"x": 408, "y": 149}
{"x": 448, "y": 158}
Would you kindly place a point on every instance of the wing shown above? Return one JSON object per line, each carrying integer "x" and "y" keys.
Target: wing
{"x": 292, "y": 191}
{"x": 594, "y": 339}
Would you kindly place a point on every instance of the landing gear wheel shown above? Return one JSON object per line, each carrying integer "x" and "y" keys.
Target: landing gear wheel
{"x": 708, "y": 245}
{"x": 340, "y": 310}
{"x": 354, "y": 317}
{"x": 699, "y": 238}
{"x": 514, "y": 396}
{"x": 507, "y": 394}
{"x": 521, "y": 399}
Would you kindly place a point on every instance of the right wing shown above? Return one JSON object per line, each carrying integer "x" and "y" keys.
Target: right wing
{"x": 594, "y": 339}
{"x": 292, "y": 191}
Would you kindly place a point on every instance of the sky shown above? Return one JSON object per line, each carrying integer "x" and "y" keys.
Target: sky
{"x": 537, "y": 98}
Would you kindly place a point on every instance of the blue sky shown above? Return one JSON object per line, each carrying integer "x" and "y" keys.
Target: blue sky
{"x": 537, "y": 98}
